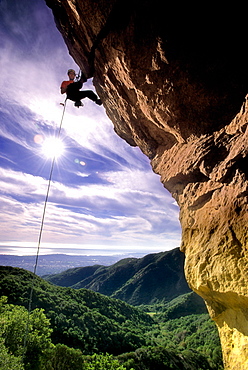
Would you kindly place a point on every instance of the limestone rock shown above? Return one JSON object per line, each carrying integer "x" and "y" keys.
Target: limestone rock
{"x": 172, "y": 79}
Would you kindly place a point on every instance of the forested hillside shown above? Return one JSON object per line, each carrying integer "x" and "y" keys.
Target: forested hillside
{"x": 136, "y": 281}
{"x": 80, "y": 318}
{"x": 77, "y": 325}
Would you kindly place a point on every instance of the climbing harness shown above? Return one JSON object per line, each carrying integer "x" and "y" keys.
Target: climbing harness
{"x": 40, "y": 236}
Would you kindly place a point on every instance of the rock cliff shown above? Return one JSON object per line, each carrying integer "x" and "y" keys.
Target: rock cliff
{"x": 173, "y": 80}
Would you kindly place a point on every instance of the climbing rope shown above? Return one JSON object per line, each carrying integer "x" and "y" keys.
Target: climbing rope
{"x": 40, "y": 237}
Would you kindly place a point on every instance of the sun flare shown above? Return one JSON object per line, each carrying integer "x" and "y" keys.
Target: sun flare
{"x": 53, "y": 147}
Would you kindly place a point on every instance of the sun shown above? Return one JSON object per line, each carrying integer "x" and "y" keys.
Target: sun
{"x": 53, "y": 147}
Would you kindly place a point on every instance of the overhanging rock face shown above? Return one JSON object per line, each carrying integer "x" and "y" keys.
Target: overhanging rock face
{"x": 174, "y": 82}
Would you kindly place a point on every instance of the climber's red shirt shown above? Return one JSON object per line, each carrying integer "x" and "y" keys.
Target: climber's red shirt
{"x": 66, "y": 83}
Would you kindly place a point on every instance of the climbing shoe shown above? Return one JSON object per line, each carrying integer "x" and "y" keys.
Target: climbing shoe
{"x": 78, "y": 104}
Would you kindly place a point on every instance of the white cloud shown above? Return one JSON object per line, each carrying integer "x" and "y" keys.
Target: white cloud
{"x": 84, "y": 213}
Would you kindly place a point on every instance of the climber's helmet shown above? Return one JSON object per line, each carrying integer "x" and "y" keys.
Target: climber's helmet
{"x": 71, "y": 71}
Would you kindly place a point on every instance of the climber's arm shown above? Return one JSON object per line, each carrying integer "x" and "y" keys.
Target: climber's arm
{"x": 63, "y": 89}
{"x": 83, "y": 77}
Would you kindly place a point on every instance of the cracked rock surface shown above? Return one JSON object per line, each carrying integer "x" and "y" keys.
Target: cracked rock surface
{"x": 173, "y": 80}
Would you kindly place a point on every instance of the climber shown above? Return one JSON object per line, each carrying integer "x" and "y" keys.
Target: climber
{"x": 72, "y": 89}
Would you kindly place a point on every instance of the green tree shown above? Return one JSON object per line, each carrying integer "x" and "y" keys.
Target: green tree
{"x": 61, "y": 357}
{"x": 9, "y": 361}
{"x": 17, "y": 327}
{"x": 102, "y": 362}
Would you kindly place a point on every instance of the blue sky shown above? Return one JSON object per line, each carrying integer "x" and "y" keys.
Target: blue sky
{"x": 104, "y": 195}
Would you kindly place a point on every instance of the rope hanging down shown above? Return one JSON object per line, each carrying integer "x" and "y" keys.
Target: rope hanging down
{"x": 40, "y": 236}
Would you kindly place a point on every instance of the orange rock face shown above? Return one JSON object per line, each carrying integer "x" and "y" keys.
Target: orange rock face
{"x": 173, "y": 81}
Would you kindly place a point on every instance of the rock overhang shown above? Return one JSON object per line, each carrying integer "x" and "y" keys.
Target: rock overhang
{"x": 172, "y": 79}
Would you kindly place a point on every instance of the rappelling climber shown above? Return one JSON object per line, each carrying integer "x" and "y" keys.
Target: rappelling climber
{"x": 72, "y": 89}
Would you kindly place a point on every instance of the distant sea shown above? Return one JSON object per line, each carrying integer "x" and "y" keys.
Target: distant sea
{"x": 55, "y": 263}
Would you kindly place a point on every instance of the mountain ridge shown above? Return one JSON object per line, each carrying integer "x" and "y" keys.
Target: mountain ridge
{"x": 59, "y": 262}
{"x": 154, "y": 277}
